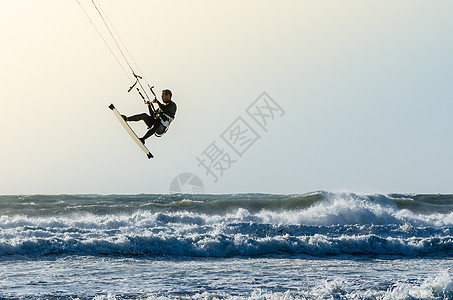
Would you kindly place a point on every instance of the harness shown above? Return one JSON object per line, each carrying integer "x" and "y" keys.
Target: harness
{"x": 165, "y": 121}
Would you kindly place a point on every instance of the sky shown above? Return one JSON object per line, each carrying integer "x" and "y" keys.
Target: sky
{"x": 273, "y": 96}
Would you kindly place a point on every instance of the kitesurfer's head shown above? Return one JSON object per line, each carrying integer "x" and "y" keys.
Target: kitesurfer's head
{"x": 166, "y": 95}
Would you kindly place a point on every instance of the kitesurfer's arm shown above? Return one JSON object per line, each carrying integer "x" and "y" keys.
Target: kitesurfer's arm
{"x": 161, "y": 105}
{"x": 169, "y": 109}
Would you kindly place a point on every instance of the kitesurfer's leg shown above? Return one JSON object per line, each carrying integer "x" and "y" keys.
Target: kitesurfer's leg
{"x": 150, "y": 132}
{"x": 142, "y": 117}
{"x": 156, "y": 128}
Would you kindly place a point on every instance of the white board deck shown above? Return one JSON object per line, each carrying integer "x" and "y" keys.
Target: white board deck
{"x": 130, "y": 131}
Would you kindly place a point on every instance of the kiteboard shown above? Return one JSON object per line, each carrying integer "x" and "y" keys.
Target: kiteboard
{"x": 130, "y": 131}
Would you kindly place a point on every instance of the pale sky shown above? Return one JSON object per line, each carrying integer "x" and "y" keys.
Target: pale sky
{"x": 365, "y": 89}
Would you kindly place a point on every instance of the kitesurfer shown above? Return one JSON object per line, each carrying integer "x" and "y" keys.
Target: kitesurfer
{"x": 159, "y": 120}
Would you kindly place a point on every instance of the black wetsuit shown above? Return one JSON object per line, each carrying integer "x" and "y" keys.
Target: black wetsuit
{"x": 155, "y": 125}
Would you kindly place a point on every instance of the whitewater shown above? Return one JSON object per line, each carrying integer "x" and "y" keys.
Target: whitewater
{"x": 317, "y": 245}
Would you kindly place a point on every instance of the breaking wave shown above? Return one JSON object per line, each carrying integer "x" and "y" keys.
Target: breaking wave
{"x": 246, "y": 225}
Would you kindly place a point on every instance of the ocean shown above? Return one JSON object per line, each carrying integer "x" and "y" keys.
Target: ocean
{"x": 318, "y": 245}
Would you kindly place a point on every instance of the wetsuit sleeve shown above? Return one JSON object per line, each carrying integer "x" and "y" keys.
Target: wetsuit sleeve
{"x": 161, "y": 105}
